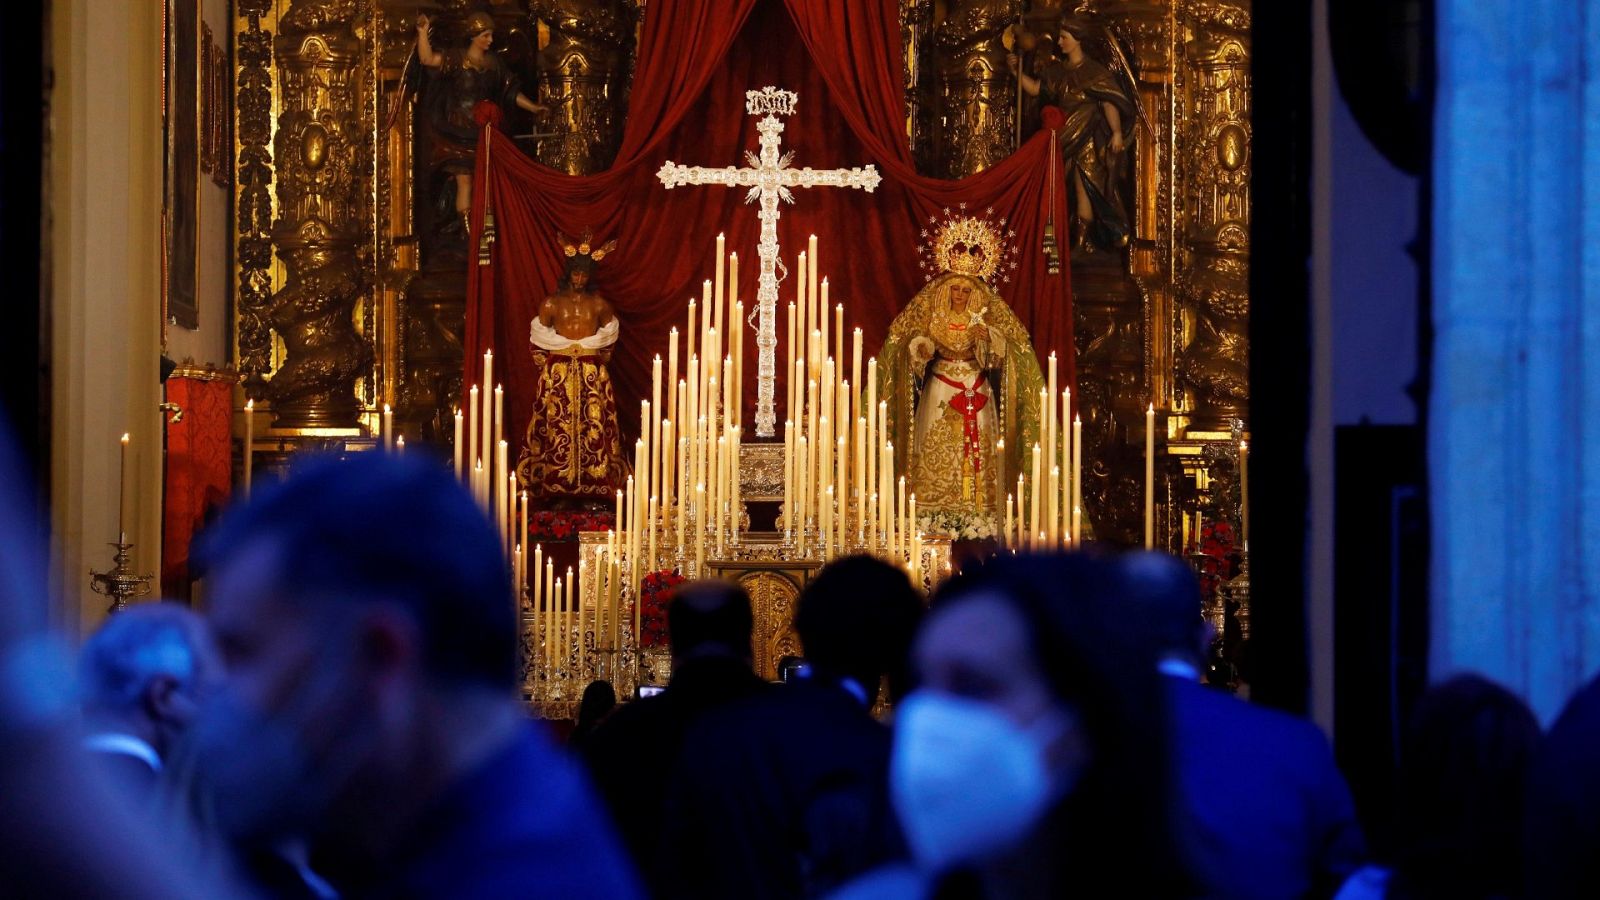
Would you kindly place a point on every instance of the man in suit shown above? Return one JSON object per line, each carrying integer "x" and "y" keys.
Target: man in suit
{"x": 142, "y": 679}
{"x": 786, "y": 794}
{"x": 370, "y": 707}
{"x": 632, "y": 753}
{"x": 1271, "y": 815}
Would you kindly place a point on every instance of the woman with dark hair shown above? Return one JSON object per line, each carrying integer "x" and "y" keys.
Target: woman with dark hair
{"x": 1463, "y": 781}
{"x": 1031, "y": 758}
{"x": 599, "y": 699}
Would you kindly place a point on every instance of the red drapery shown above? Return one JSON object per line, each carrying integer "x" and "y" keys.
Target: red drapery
{"x": 696, "y": 60}
{"x": 199, "y": 471}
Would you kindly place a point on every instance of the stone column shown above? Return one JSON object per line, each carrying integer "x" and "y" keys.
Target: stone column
{"x": 1513, "y": 439}
{"x": 317, "y": 149}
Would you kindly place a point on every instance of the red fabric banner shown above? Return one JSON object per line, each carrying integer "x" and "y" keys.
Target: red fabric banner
{"x": 696, "y": 60}
{"x": 199, "y": 472}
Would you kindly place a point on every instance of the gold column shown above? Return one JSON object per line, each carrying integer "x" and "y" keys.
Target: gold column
{"x": 253, "y": 199}
{"x": 318, "y": 149}
{"x": 1213, "y": 364}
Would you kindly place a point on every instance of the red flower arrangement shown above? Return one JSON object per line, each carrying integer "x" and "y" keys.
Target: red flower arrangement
{"x": 552, "y": 525}
{"x": 655, "y": 592}
{"x": 1219, "y": 561}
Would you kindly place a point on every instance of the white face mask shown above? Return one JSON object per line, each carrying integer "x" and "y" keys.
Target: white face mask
{"x": 966, "y": 780}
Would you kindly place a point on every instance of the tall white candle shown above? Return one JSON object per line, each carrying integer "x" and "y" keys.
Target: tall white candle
{"x": 1022, "y": 510}
{"x": 486, "y": 422}
{"x": 499, "y": 413}
{"x": 538, "y": 579}
{"x": 810, "y": 272}
{"x": 498, "y": 481}
{"x": 838, "y": 337}
{"x": 1077, "y": 480}
{"x": 719, "y": 286}
{"x": 1150, "y": 477}
{"x": 855, "y": 373}
{"x": 824, "y": 326}
{"x": 473, "y": 451}
{"x": 860, "y": 479}
{"x": 1048, "y": 410}
{"x": 122, "y": 491}
{"x": 1033, "y": 499}
{"x": 1244, "y": 494}
{"x": 250, "y": 443}
{"x": 1005, "y": 536}
{"x": 460, "y": 450}
{"x": 672, "y": 374}
{"x": 802, "y": 297}
{"x": 693, "y": 329}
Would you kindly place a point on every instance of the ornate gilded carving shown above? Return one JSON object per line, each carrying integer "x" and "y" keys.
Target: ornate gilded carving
{"x": 761, "y": 471}
{"x": 586, "y": 67}
{"x": 1214, "y": 289}
{"x": 773, "y": 595}
{"x": 253, "y": 202}
{"x": 318, "y": 148}
{"x": 977, "y": 94}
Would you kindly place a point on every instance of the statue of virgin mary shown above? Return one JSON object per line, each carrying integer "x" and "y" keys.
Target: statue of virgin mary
{"x": 960, "y": 376}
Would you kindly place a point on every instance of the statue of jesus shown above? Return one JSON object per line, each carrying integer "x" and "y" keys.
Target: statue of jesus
{"x": 574, "y": 447}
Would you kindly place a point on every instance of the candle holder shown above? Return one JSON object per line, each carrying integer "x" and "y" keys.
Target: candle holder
{"x": 120, "y": 584}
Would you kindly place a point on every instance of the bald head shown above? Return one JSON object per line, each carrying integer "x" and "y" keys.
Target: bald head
{"x": 146, "y": 669}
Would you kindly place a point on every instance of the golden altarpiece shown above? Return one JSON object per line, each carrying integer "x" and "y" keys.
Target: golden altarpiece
{"x": 349, "y": 291}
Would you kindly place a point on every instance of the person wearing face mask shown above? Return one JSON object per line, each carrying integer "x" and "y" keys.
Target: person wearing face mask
{"x": 1030, "y": 759}
{"x": 141, "y": 678}
{"x": 370, "y": 711}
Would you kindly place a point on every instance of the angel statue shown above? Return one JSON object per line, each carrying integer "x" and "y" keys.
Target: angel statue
{"x": 959, "y": 374}
{"x": 459, "y": 80}
{"x": 574, "y": 447}
{"x": 1100, "y": 108}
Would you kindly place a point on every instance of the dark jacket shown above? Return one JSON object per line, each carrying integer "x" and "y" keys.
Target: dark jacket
{"x": 632, "y": 754}
{"x": 1270, "y": 813}
{"x": 525, "y": 824}
{"x": 784, "y": 795}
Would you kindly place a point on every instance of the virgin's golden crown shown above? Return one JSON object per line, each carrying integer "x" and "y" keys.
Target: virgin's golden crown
{"x": 968, "y": 246}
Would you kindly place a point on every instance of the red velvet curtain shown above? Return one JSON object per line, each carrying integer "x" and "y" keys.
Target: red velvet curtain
{"x": 696, "y": 60}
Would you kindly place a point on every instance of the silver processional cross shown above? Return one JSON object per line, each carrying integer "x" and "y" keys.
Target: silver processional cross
{"x": 769, "y": 179}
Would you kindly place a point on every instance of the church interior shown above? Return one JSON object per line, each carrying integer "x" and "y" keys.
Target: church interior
{"x": 680, "y": 294}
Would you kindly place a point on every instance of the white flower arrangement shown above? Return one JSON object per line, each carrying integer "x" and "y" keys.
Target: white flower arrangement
{"x": 958, "y": 525}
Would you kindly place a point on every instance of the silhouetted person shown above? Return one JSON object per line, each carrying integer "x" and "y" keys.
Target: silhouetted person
{"x": 1030, "y": 761}
{"x": 1563, "y": 829}
{"x": 786, "y": 794}
{"x": 1463, "y": 784}
{"x": 142, "y": 677}
{"x": 364, "y": 611}
{"x": 599, "y": 700}
{"x": 633, "y": 753}
{"x": 64, "y": 831}
{"x": 1272, "y": 815}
